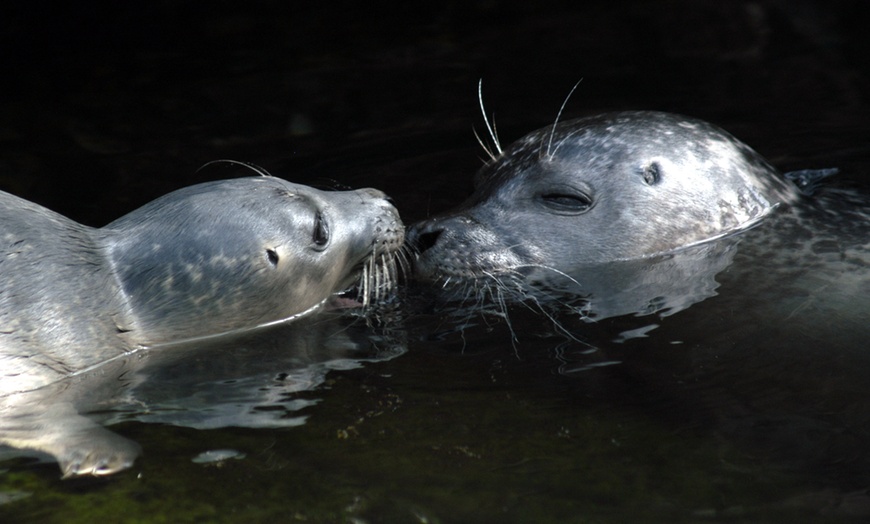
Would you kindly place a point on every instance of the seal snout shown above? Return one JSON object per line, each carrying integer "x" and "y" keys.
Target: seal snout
{"x": 423, "y": 240}
{"x": 375, "y": 194}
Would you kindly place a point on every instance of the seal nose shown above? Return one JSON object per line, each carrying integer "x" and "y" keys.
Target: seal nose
{"x": 424, "y": 235}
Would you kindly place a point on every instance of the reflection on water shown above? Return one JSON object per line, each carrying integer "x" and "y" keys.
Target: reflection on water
{"x": 254, "y": 382}
{"x": 248, "y": 381}
{"x": 661, "y": 285}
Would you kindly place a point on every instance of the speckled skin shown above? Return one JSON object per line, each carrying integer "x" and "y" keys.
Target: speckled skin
{"x": 204, "y": 260}
{"x": 610, "y": 187}
{"x": 211, "y": 259}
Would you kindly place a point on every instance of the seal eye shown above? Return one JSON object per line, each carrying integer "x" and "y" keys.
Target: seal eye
{"x": 652, "y": 174}
{"x": 321, "y": 230}
{"x": 572, "y": 204}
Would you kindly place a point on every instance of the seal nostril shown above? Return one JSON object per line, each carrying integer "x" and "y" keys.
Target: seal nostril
{"x": 425, "y": 241}
{"x": 272, "y": 256}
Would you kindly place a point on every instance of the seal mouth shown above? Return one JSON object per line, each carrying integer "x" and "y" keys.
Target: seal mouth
{"x": 377, "y": 277}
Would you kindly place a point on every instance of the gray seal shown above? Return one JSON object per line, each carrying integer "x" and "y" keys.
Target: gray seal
{"x": 204, "y": 261}
{"x": 214, "y": 260}
{"x": 617, "y": 186}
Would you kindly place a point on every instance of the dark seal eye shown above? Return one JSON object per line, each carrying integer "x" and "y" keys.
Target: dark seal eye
{"x": 321, "y": 230}
{"x": 652, "y": 174}
{"x": 568, "y": 203}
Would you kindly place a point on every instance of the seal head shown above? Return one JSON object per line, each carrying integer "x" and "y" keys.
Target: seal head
{"x": 610, "y": 187}
{"x": 235, "y": 254}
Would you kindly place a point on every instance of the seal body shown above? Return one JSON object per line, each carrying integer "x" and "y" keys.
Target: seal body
{"x": 617, "y": 186}
{"x": 201, "y": 261}
{"x": 209, "y": 260}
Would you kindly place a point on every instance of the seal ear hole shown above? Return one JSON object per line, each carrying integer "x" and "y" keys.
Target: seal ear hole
{"x": 568, "y": 203}
{"x": 652, "y": 174}
{"x": 272, "y": 257}
{"x": 321, "y": 230}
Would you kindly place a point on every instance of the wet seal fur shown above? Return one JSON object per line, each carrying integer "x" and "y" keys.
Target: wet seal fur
{"x": 617, "y": 186}
{"x": 207, "y": 260}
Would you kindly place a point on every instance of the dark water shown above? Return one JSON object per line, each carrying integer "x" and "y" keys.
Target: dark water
{"x": 749, "y": 406}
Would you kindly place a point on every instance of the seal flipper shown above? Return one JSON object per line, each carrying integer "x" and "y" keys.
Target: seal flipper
{"x": 809, "y": 180}
{"x": 95, "y": 451}
{"x": 80, "y": 445}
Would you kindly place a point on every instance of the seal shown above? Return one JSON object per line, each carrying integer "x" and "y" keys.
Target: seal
{"x": 616, "y": 186}
{"x": 201, "y": 261}
{"x": 204, "y": 261}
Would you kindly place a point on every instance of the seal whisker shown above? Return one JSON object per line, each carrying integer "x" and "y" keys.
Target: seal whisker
{"x": 497, "y": 294}
{"x": 379, "y": 278}
{"x": 253, "y": 167}
{"x": 552, "y": 318}
{"x": 402, "y": 259}
{"x": 387, "y": 276}
{"x": 558, "y": 116}
{"x": 528, "y": 292}
{"x": 395, "y": 269}
{"x": 380, "y": 281}
{"x": 492, "y": 292}
{"x": 486, "y": 148}
{"x": 373, "y": 275}
{"x": 492, "y": 133}
{"x": 364, "y": 286}
{"x": 553, "y": 270}
{"x": 392, "y": 273}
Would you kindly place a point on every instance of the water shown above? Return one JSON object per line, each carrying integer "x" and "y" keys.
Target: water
{"x": 749, "y": 405}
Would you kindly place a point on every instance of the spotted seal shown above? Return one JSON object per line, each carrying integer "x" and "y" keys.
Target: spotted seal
{"x": 616, "y": 186}
{"x": 207, "y": 260}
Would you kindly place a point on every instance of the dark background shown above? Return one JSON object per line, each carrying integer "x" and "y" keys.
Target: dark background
{"x": 106, "y": 105}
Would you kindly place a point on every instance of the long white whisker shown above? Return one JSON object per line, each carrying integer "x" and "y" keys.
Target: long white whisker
{"x": 253, "y": 167}
{"x": 364, "y": 288}
{"x": 379, "y": 279}
{"x": 486, "y": 148}
{"x": 551, "y": 269}
{"x": 558, "y": 116}
{"x": 374, "y": 274}
{"x": 485, "y": 119}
